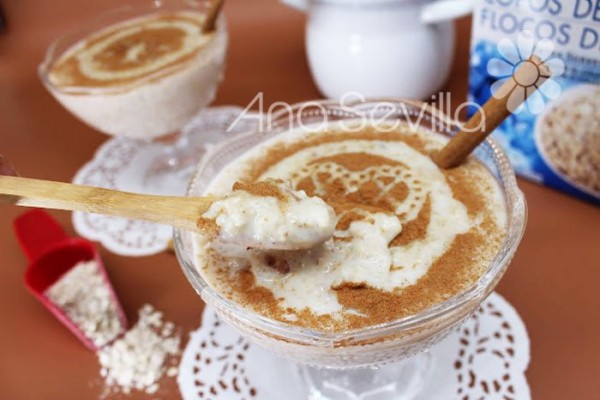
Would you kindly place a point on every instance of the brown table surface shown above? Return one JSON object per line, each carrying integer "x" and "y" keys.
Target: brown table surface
{"x": 553, "y": 281}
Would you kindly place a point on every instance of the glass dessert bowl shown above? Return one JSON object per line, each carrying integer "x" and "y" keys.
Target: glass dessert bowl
{"x": 140, "y": 72}
{"x": 390, "y": 345}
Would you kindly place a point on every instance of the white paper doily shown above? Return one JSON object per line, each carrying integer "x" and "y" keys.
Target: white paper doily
{"x": 485, "y": 359}
{"x": 120, "y": 164}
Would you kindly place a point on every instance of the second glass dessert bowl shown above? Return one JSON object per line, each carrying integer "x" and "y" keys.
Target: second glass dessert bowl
{"x": 141, "y": 72}
{"x": 376, "y": 345}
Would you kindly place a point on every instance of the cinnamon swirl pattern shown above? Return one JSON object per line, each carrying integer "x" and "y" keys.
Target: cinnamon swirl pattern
{"x": 408, "y": 234}
{"x": 131, "y": 51}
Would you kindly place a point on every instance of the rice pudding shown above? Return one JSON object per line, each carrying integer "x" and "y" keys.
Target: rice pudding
{"x": 142, "y": 78}
{"x": 408, "y": 234}
{"x": 269, "y": 215}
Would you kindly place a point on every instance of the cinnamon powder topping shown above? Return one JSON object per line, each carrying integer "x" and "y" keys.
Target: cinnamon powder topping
{"x": 267, "y": 188}
{"x": 209, "y": 226}
{"x": 357, "y": 161}
{"x": 358, "y": 185}
{"x": 414, "y": 229}
{"x": 131, "y": 51}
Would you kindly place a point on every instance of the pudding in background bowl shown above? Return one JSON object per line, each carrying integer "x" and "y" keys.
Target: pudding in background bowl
{"x": 139, "y": 72}
{"x": 415, "y": 251}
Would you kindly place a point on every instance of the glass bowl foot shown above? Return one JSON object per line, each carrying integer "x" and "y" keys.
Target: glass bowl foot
{"x": 401, "y": 380}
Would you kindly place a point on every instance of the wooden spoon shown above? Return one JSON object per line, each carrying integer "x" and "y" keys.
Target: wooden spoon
{"x": 181, "y": 212}
{"x": 491, "y": 115}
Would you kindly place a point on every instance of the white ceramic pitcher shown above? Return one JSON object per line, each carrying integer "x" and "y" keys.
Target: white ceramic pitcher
{"x": 400, "y": 48}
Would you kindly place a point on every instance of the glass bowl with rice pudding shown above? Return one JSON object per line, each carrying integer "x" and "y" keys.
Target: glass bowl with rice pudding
{"x": 338, "y": 326}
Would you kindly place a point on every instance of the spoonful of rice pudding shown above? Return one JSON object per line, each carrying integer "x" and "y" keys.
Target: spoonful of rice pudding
{"x": 270, "y": 215}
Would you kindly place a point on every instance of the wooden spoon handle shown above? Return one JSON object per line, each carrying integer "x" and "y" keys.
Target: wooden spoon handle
{"x": 182, "y": 212}
{"x": 489, "y": 117}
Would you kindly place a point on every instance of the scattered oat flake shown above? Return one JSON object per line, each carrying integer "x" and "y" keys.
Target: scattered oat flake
{"x": 139, "y": 359}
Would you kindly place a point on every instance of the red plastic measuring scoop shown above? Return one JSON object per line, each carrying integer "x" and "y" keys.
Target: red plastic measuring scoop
{"x": 51, "y": 253}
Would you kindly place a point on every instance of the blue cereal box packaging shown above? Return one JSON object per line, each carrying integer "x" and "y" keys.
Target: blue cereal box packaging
{"x": 554, "y": 137}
